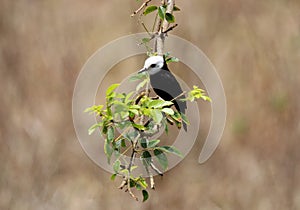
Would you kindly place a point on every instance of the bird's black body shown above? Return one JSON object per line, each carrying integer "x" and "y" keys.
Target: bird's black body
{"x": 167, "y": 87}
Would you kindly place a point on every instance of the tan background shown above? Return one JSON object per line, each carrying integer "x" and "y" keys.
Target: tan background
{"x": 255, "y": 46}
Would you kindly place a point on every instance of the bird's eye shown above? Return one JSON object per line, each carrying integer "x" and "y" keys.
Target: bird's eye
{"x": 153, "y": 65}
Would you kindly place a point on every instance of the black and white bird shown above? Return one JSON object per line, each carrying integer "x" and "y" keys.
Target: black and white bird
{"x": 164, "y": 82}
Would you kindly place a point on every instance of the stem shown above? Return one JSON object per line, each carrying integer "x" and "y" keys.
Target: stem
{"x": 134, "y": 144}
{"x": 121, "y": 135}
{"x": 171, "y": 28}
{"x": 126, "y": 179}
{"x": 155, "y": 20}
{"x": 181, "y": 94}
{"x": 141, "y": 7}
{"x": 123, "y": 153}
{"x": 143, "y": 24}
{"x": 169, "y": 9}
{"x": 163, "y": 28}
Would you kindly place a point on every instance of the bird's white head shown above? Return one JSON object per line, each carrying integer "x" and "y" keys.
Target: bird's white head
{"x": 153, "y": 65}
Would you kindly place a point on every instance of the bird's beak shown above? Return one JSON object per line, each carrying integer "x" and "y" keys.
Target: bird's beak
{"x": 142, "y": 70}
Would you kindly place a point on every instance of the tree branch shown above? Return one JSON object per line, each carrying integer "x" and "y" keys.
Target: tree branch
{"x": 169, "y": 9}
{"x": 170, "y": 28}
{"x": 163, "y": 28}
{"x": 145, "y": 4}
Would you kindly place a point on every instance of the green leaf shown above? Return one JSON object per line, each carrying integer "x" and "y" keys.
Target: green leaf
{"x": 124, "y": 171}
{"x": 185, "y": 119}
{"x": 138, "y": 126}
{"x": 146, "y": 154}
{"x": 104, "y": 129}
{"x": 133, "y": 167}
{"x": 156, "y": 115}
{"x": 166, "y": 128}
{"x": 110, "y": 134}
{"x": 146, "y": 112}
{"x": 113, "y": 177}
{"x": 120, "y": 107}
{"x": 176, "y": 117}
{"x": 141, "y": 84}
{"x": 170, "y": 149}
{"x": 178, "y": 124}
{"x": 146, "y": 158}
{"x": 131, "y": 115}
{"x": 132, "y": 183}
{"x": 172, "y": 59}
{"x": 124, "y": 124}
{"x": 195, "y": 87}
{"x": 161, "y": 12}
{"x": 124, "y": 115}
{"x": 127, "y": 98}
{"x": 176, "y": 9}
{"x": 138, "y": 186}
{"x": 130, "y": 135}
{"x": 159, "y": 104}
{"x": 144, "y": 143}
{"x": 120, "y": 95}
{"x": 116, "y": 151}
{"x": 111, "y": 88}
{"x": 161, "y": 158}
{"x": 116, "y": 166}
{"x": 134, "y": 111}
{"x": 145, "y": 40}
{"x": 96, "y": 109}
{"x": 142, "y": 182}
{"x": 145, "y": 195}
{"x": 167, "y": 54}
{"x": 136, "y": 77}
{"x": 135, "y": 106}
{"x": 153, "y": 143}
{"x": 94, "y": 127}
{"x": 150, "y": 9}
{"x": 206, "y": 98}
{"x": 168, "y": 111}
{"x": 123, "y": 143}
{"x": 108, "y": 151}
{"x": 170, "y": 18}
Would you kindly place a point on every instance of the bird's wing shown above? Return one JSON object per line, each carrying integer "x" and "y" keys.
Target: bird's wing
{"x": 167, "y": 87}
{"x": 165, "y": 82}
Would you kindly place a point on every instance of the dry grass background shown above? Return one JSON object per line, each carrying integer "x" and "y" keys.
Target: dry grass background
{"x": 255, "y": 46}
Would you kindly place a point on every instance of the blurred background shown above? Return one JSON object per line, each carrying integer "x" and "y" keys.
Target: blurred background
{"x": 255, "y": 46}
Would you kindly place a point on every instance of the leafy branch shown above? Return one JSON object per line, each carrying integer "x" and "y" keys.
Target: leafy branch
{"x": 164, "y": 22}
{"x": 128, "y": 121}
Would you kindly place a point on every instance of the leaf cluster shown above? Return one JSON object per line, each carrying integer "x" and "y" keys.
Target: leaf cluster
{"x": 129, "y": 120}
{"x": 161, "y": 12}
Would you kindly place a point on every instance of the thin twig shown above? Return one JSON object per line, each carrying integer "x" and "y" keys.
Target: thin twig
{"x": 134, "y": 144}
{"x": 170, "y": 28}
{"x": 143, "y": 24}
{"x": 126, "y": 150}
{"x": 123, "y": 184}
{"x": 154, "y": 24}
{"x": 122, "y": 134}
{"x": 152, "y": 184}
{"x": 139, "y": 97}
{"x": 126, "y": 180}
{"x": 145, "y": 4}
{"x": 156, "y": 169}
{"x": 181, "y": 94}
{"x": 131, "y": 193}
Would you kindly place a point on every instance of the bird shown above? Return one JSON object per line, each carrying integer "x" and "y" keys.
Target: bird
{"x": 164, "y": 82}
